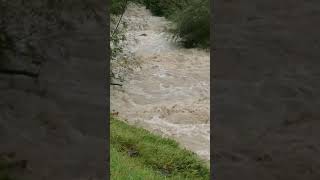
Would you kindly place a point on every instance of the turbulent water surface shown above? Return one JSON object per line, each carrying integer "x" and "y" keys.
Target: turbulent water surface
{"x": 169, "y": 94}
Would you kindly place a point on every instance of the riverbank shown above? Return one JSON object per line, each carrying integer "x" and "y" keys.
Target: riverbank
{"x": 138, "y": 154}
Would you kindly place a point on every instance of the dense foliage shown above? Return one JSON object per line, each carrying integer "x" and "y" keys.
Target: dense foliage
{"x": 193, "y": 23}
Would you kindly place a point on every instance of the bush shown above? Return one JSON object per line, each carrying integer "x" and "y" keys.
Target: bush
{"x": 193, "y": 24}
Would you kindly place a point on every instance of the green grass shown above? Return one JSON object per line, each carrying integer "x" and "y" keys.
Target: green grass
{"x": 138, "y": 154}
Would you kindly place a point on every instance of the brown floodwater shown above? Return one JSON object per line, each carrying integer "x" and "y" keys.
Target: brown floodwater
{"x": 169, "y": 94}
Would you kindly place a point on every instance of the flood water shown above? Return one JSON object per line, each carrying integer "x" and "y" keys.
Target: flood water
{"x": 169, "y": 95}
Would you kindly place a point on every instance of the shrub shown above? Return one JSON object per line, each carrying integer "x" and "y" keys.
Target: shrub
{"x": 193, "y": 23}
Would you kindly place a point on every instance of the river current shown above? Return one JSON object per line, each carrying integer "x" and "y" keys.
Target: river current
{"x": 170, "y": 93}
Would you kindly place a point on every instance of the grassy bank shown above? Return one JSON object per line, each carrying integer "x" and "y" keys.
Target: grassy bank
{"x": 138, "y": 154}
